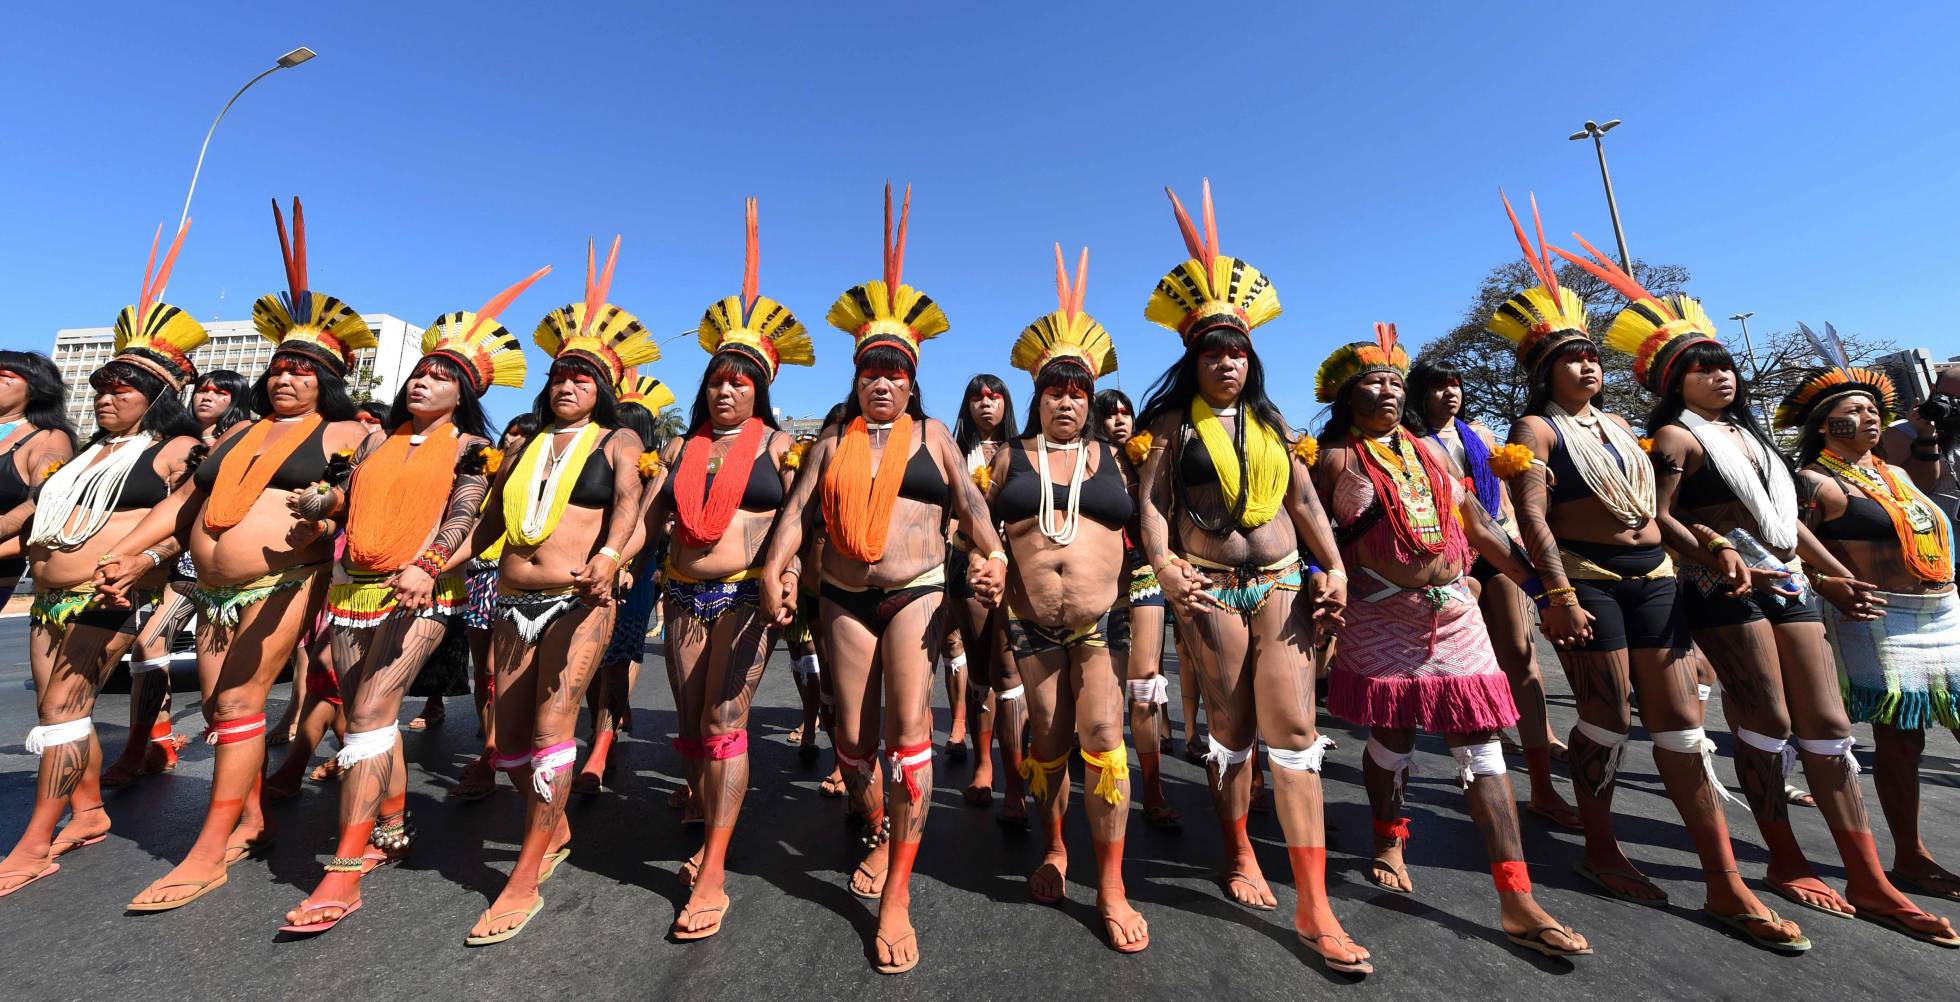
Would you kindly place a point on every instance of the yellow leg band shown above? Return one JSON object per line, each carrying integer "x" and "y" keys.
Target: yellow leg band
{"x": 1114, "y": 765}
{"x": 1036, "y": 772}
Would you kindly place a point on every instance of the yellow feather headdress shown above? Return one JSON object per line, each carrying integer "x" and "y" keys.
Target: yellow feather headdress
{"x": 611, "y": 339}
{"x": 1653, "y": 329}
{"x": 300, "y": 321}
{"x": 1837, "y": 378}
{"x": 1546, "y": 317}
{"x": 486, "y": 349}
{"x": 153, "y": 335}
{"x": 1351, "y": 361}
{"x": 1068, "y": 332}
{"x": 889, "y": 311}
{"x": 1209, "y": 290}
{"x": 760, "y": 328}
{"x": 646, "y": 391}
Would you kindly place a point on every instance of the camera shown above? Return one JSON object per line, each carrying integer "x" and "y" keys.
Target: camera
{"x": 1941, "y": 411}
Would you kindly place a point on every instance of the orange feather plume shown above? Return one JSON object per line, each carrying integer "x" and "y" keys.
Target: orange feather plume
{"x": 751, "y": 263}
{"x": 496, "y": 305}
{"x": 1204, "y": 250}
{"x": 1069, "y": 296}
{"x": 1540, "y": 262}
{"x": 595, "y": 291}
{"x": 154, "y": 283}
{"x": 894, "y": 250}
{"x": 1603, "y": 268}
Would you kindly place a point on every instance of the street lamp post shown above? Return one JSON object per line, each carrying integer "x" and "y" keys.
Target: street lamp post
{"x": 287, "y": 61}
{"x": 1596, "y": 132}
{"x": 1755, "y": 370}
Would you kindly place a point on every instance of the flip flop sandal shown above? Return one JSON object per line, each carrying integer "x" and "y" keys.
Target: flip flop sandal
{"x": 48, "y": 871}
{"x": 1057, "y": 899}
{"x": 1786, "y": 891}
{"x": 1797, "y": 797}
{"x": 1559, "y": 752}
{"x": 1135, "y": 947}
{"x": 1551, "y": 818}
{"x": 1598, "y": 879}
{"x": 688, "y": 937}
{"x": 690, "y": 872}
{"x": 1928, "y": 885}
{"x": 75, "y": 843}
{"x": 1376, "y": 866}
{"x": 315, "y": 928}
{"x": 118, "y": 776}
{"x": 1745, "y": 922}
{"x": 251, "y": 847}
{"x": 978, "y": 796}
{"x": 1013, "y": 823}
{"x": 1231, "y": 877}
{"x": 955, "y": 752}
{"x": 1534, "y": 940}
{"x": 896, "y": 968}
{"x": 1896, "y": 921}
{"x": 831, "y": 790}
{"x": 511, "y": 933}
{"x": 1361, "y": 966}
{"x": 549, "y": 865}
{"x": 464, "y": 791}
{"x": 875, "y": 895}
{"x": 1163, "y": 817}
{"x": 164, "y": 906}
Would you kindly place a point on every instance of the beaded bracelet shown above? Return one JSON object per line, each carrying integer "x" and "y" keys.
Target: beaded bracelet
{"x": 1718, "y": 544}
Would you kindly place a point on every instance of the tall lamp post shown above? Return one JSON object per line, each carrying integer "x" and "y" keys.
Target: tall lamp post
{"x": 1755, "y": 370}
{"x": 287, "y": 61}
{"x": 1596, "y": 132}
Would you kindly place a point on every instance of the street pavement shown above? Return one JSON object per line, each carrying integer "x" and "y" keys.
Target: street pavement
{"x": 796, "y": 931}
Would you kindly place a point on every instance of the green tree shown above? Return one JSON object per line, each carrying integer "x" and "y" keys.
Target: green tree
{"x": 666, "y": 425}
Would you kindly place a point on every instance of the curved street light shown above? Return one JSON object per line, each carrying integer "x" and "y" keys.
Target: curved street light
{"x": 1595, "y": 132}
{"x": 287, "y": 61}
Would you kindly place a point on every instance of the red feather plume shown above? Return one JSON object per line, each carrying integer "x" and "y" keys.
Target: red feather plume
{"x": 751, "y": 262}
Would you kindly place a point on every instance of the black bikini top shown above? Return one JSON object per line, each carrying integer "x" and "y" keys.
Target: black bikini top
{"x": 763, "y": 492}
{"x": 1863, "y": 519}
{"x": 594, "y": 486}
{"x": 1104, "y": 499}
{"x": 144, "y": 487}
{"x": 13, "y": 488}
{"x": 1194, "y": 464}
{"x": 1704, "y": 488}
{"x": 306, "y": 466}
{"x": 1567, "y": 484}
{"x": 924, "y": 482}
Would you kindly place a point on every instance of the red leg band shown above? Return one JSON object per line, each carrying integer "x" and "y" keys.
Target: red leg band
{"x": 690, "y": 748}
{"x": 1396, "y": 829}
{"x": 724, "y": 746}
{"x": 1510, "y": 878}
{"x": 226, "y": 732}
{"x": 907, "y": 762}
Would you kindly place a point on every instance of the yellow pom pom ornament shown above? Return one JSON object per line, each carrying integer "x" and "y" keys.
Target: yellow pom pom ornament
{"x": 1138, "y": 447}
{"x": 649, "y": 465}
{"x": 1510, "y": 461}
{"x": 1307, "y": 450}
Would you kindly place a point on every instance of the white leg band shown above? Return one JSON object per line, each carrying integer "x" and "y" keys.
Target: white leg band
{"x": 1152, "y": 690}
{"x": 1703, "y": 691}
{"x": 1224, "y": 758}
{"x": 1478, "y": 760}
{"x": 153, "y": 664}
{"x": 977, "y": 688}
{"x": 505, "y": 762}
{"x": 865, "y": 765}
{"x": 363, "y": 745}
{"x": 547, "y": 764}
{"x": 46, "y": 736}
{"x": 956, "y": 664}
{"x": 1299, "y": 760}
{"x": 1833, "y": 748}
{"x": 1615, "y": 743}
{"x": 1694, "y": 741}
{"x": 1779, "y": 747}
{"x": 1014, "y": 693}
{"x": 807, "y": 666}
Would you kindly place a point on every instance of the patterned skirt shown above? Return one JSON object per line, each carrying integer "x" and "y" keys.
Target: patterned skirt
{"x": 1419, "y": 659}
{"x": 629, "y": 637}
{"x": 1901, "y": 670}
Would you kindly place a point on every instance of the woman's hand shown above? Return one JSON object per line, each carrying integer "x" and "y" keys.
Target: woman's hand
{"x": 1329, "y": 595}
{"x": 1185, "y": 589}
{"x": 314, "y": 503}
{"x": 414, "y": 589}
{"x": 779, "y": 602}
{"x": 988, "y": 578}
{"x": 305, "y": 532}
{"x": 1569, "y": 626}
{"x": 115, "y": 575}
{"x": 594, "y": 581}
{"x": 1856, "y": 599}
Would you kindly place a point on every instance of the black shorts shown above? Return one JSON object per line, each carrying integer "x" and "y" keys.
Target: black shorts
{"x": 1713, "y": 608}
{"x": 1640, "y": 614}
{"x": 1483, "y": 570}
{"x": 957, "y": 561}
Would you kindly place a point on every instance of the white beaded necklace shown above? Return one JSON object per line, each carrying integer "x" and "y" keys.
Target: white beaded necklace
{"x": 1072, "y": 516}
{"x": 91, "y": 483}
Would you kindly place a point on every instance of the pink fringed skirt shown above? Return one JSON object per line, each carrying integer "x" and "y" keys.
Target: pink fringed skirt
{"x": 1419, "y": 659}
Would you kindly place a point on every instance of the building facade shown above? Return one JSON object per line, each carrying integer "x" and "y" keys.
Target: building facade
{"x": 236, "y": 344}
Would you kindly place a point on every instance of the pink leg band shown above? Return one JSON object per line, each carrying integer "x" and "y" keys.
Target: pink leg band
{"x": 725, "y": 746}
{"x": 690, "y": 747}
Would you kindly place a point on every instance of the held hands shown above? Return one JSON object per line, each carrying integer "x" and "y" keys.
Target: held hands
{"x": 779, "y": 603}
{"x": 1184, "y": 588}
{"x": 115, "y": 575}
{"x": 1856, "y": 599}
{"x": 414, "y": 589}
{"x": 1569, "y": 626}
{"x": 1329, "y": 593}
{"x": 594, "y": 581}
{"x": 988, "y": 579}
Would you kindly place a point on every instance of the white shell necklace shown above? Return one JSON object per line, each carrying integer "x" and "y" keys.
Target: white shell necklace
{"x": 1064, "y": 533}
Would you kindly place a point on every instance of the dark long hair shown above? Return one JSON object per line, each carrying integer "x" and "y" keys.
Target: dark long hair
{"x": 332, "y": 403}
{"x": 1708, "y": 355}
{"x": 636, "y": 418}
{"x": 47, "y": 395}
{"x": 165, "y": 418}
{"x": 605, "y": 404}
{"x": 885, "y": 356}
{"x": 966, "y": 431}
{"x": 1810, "y": 439}
{"x": 1541, "y": 377}
{"x": 468, "y": 417}
{"x": 723, "y": 365}
{"x": 1426, "y": 375}
{"x": 1174, "y": 390}
{"x": 234, "y": 385}
{"x": 1340, "y": 413}
{"x": 1109, "y": 402}
{"x": 1064, "y": 373}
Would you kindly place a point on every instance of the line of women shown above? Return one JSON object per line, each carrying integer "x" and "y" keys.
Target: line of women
{"x": 1403, "y": 548}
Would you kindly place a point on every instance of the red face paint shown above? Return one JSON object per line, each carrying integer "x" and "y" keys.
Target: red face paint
{"x": 984, "y": 394}
{"x": 873, "y": 375}
{"x": 1069, "y": 392}
{"x": 288, "y": 364}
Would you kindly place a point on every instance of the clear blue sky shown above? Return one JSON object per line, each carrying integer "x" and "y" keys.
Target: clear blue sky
{"x": 1797, "y": 157}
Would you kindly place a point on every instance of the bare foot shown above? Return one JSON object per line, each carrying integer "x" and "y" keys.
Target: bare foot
{"x": 477, "y": 780}
{"x": 326, "y": 772}
{"x": 833, "y": 784}
{"x": 1014, "y": 810}
{"x": 1387, "y": 869}
{"x": 1247, "y": 885}
{"x": 1807, "y": 890}
{"x": 1048, "y": 883}
{"x": 85, "y": 827}
{"x": 895, "y": 949}
{"x": 795, "y": 737}
{"x": 123, "y": 771}
{"x": 869, "y": 879}
{"x": 188, "y": 880}
{"x": 1554, "y": 809}
{"x": 1127, "y": 931}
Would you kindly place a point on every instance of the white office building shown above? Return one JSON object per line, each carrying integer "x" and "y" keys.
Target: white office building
{"x": 236, "y": 345}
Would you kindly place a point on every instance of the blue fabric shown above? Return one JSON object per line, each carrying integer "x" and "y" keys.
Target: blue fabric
{"x": 1489, "y": 492}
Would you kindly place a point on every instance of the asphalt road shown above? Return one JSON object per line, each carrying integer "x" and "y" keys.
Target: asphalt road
{"x": 795, "y": 930}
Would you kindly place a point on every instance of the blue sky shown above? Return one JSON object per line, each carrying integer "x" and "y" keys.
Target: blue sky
{"x": 1795, "y": 156}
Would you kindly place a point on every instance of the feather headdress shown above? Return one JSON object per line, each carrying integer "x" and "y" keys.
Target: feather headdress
{"x": 753, "y": 324}
{"x": 1546, "y": 317}
{"x": 1210, "y": 289}
{"x": 1837, "y": 378}
{"x": 153, "y": 335}
{"x": 486, "y": 349}
{"x": 1350, "y": 362}
{"x": 301, "y": 321}
{"x": 889, "y": 311}
{"x": 611, "y": 339}
{"x": 646, "y": 391}
{"x": 1068, "y": 332}
{"x": 1653, "y": 329}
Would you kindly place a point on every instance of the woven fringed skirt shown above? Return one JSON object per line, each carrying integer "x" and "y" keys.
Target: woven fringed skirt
{"x": 1419, "y": 659}
{"x": 1902, "y": 670}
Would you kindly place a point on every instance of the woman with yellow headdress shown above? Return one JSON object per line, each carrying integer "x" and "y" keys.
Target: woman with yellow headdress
{"x": 727, "y": 483}
{"x": 77, "y": 634}
{"x": 1584, "y": 492}
{"x": 262, "y": 518}
{"x": 1415, "y": 654}
{"x": 1753, "y": 572}
{"x": 1898, "y": 671}
{"x": 414, "y": 496}
{"x": 1226, "y": 479}
{"x": 888, "y": 477}
{"x": 563, "y": 509}
{"x": 1065, "y": 500}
